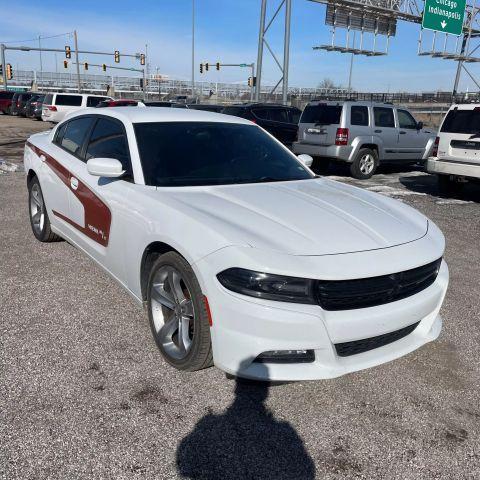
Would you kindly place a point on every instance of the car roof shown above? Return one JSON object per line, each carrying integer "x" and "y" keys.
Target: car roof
{"x": 263, "y": 105}
{"x": 161, "y": 114}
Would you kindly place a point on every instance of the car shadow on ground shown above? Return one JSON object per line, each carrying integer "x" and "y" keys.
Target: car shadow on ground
{"x": 343, "y": 169}
{"x": 428, "y": 184}
{"x": 246, "y": 441}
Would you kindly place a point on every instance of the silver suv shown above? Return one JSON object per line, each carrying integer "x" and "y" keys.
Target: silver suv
{"x": 362, "y": 134}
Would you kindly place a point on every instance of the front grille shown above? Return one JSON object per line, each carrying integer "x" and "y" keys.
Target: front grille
{"x": 370, "y": 292}
{"x": 359, "y": 346}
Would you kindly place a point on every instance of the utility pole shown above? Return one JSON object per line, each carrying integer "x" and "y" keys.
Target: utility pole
{"x": 263, "y": 12}
{"x": 4, "y": 66}
{"x": 193, "y": 48}
{"x": 286, "y": 50}
{"x": 77, "y": 61}
{"x": 147, "y": 70}
{"x": 459, "y": 67}
{"x": 41, "y": 63}
{"x": 351, "y": 67}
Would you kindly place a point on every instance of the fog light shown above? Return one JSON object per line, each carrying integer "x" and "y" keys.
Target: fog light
{"x": 286, "y": 356}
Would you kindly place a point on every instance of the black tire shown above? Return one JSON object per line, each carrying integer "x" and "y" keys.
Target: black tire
{"x": 449, "y": 186}
{"x": 42, "y": 230}
{"x": 321, "y": 165}
{"x": 365, "y": 156}
{"x": 199, "y": 355}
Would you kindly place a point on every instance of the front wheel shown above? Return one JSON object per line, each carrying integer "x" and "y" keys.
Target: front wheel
{"x": 364, "y": 164}
{"x": 38, "y": 213}
{"x": 177, "y": 311}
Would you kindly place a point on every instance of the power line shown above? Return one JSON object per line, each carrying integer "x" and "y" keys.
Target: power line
{"x": 36, "y": 39}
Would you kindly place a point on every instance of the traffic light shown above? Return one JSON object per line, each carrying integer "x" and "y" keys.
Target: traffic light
{"x": 9, "y": 72}
{"x": 252, "y": 81}
{"x": 142, "y": 59}
{"x": 141, "y": 83}
{"x": 85, "y": 65}
{"x": 206, "y": 67}
{"x": 117, "y": 56}
{"x": 217, "y": 65}
{"x": 68, "y": 51}
{"x": 65, "y": 64}
{"x": 104, "y": 67}
{"x": 201, "y": 68}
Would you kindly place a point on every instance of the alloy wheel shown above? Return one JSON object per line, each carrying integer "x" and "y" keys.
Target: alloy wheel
{"x": 366, "y": 164}
{"x": 37, "y": 209}
{"x": 173, "y": 312}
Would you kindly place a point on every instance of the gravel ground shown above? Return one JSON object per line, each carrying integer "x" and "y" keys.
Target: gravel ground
{"x": 85, "y": 393}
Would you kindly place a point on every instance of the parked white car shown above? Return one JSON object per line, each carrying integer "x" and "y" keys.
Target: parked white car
{"x": 57, "y": 105}
{"x": 242, "y": 257}
{"x": 456, "y": 155}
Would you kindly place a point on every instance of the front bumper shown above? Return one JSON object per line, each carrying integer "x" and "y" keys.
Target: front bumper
{"x": 453, "y": 167}
{"x": 244, "y": 327}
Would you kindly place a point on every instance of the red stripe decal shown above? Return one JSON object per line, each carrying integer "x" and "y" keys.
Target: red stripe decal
{"x": 98, "y": 217}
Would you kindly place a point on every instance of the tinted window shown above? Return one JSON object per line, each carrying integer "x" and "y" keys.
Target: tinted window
{"x": 94, "y": 101}
{"x": 261, "y": 113}
{"x": 405, "y": 120}
{"x": 48, "y": 99}
{"x": 70, "y": 100}
{"x": 462, "y": 121}
{"x": 237, "y": 112}
{"x": 278, "y": 115}
{"x": 295, "y": 116}
{"x": 108, "y": 140}
{"x": 59, "y": 133}
{"x": 383, "y": 117}
{"x": 210, "y": 153}
{"x": 322, "y": 114}
{"x": 75, "y": 134}
{"x": 359, "y": 115}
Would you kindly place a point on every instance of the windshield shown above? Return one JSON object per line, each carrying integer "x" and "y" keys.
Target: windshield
{"x": 211, "y": 153}
{"x": 462, "y": 121}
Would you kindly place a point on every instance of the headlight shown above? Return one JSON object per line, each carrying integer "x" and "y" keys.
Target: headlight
{"x": 267, "y": 286}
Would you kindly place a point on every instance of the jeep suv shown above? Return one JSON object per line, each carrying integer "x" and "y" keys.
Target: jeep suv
{"x": 456, "y": 154}
{"x": 362, "y": 134}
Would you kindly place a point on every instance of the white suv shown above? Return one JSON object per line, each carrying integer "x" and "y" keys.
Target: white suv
{"x": 456, "y": 154}
{"x": 57, "y": 105}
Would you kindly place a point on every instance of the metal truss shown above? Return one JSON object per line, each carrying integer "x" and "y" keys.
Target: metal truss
{"x": 262, "y": 41}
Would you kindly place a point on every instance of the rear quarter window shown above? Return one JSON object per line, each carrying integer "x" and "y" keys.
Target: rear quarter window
{"x": 69, "y": 100}
{"x": 359, "y": 115}
{"x": 94, "y": 101}
{"x": 48, "y": 99}
{"x": 322, "y": 114}
{"x": 462, "y": 121}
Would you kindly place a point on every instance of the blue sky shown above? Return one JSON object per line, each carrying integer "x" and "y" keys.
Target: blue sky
{"x": 226, "y": 30}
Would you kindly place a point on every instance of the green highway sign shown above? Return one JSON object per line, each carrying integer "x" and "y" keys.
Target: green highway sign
{"x": 243, "y": 64}
{"x": 444, "y": 16}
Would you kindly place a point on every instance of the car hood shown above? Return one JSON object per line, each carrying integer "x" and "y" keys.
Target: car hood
{"x": 308, "y": 217}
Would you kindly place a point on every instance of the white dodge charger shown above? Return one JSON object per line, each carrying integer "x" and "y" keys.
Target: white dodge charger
{"x": 242, "y": 257}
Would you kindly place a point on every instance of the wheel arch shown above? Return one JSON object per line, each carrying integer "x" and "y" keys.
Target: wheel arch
{"x": 151, "y": 252}
{"x": 31, "y": 175}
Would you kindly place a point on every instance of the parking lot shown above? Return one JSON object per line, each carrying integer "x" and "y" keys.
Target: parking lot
{"x": 86, "y": 393}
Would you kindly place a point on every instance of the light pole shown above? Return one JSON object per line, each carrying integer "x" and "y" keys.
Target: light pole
{"x": 193, "y": 48}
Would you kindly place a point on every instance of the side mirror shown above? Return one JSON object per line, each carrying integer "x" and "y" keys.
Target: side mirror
{"x": 307, "y": 160}
{"x": 105, "y": 167}
{"x": 419, "y": 125}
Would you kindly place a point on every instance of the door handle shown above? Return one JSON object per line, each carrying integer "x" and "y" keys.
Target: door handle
{"x": 378, "y": 131}
{"x": 402, "y": 132}
{"x": 42, "y": 158}
{"x": 73, "y": 183}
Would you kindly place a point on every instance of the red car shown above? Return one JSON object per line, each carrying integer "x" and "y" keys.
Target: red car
{"x": 124, "y": 102}
{"x": 6, "y": 101}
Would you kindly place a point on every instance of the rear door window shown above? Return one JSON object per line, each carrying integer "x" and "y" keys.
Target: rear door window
{"x": 261, "y": 113}
{"x": 359, "y": 115}
{"x": 462, "y": 121}
{"x": 48, "y": 99}
{"x": 384, "y": 117}
{"x": 75, "y": 134}
{"x": 322, "y": 114}
{"x": 237, "y": 112}
{"x": 108, "y": 140}
{"x": 278, "y": 115}
{"x": 69, "y": 100}
{"x": 94, "y": 101}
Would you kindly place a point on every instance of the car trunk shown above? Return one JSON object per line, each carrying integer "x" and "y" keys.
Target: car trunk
{"x": 460, "y": 135}
{"x": 319, "y": 123}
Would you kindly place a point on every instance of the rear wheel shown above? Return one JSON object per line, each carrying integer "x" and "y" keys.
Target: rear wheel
{"x": 321, "y": 165}
{"x": 178, "y": 315}
{"x": 38, "y": 213}
{"x": 365, "y": 164}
